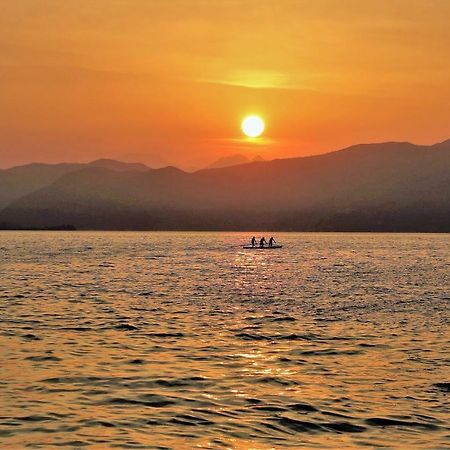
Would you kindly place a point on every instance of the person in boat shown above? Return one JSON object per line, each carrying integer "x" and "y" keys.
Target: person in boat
{"x": 271, "y": 241}
{"x": 253, "y": 241}
{"x": 262, "y": 241}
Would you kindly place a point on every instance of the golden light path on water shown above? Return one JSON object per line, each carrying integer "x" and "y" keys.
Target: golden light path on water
{"x": 178, "y": 340}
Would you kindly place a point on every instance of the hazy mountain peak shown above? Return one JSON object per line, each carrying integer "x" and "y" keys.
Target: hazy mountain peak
{"x": 233, "y": 160}
{"x": 112, "y": 164}
{"x": 169, "y": 169}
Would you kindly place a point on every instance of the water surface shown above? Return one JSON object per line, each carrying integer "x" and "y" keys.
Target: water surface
{"x": 182, "y": 340}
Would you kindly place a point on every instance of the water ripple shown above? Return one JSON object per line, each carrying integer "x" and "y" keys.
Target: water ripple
{"x": 184, "y": 340}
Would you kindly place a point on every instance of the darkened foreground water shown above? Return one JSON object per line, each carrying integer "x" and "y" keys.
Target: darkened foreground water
{"x": 177, "y": 340}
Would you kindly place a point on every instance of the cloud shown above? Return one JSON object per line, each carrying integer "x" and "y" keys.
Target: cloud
{"x": 258, "y": 79}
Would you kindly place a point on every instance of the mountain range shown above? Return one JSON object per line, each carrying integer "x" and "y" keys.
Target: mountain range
{"x": 233, "y": 160}
{"x": 369, "y": 187}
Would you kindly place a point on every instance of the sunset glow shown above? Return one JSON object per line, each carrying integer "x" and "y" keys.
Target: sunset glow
{"x": 162, "y": 82}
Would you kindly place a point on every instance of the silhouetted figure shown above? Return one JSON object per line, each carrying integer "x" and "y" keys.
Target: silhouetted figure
{"x": 262, "y": 241}
{"x": 253, "y": 241}
{"x": 271, "y": 241}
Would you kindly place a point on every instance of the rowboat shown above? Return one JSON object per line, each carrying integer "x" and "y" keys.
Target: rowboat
{"x": 257, "y": 247}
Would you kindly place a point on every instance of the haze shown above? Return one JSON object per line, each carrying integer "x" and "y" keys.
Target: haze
{"x": 168, "y": 82}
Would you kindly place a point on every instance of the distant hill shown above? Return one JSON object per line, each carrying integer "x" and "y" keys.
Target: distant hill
{"x": 119, "y": 166}
{"x": 21, "y": 180}
{"x": 372, "y": 187}
{"x": 233, "y": 160}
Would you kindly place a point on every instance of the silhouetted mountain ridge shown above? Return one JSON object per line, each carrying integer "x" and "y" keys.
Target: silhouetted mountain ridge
{"x": 381, "y": 187}
{"x": 18, "y": 181}
{"x": 118, "y": 165}
{"x": 233, "y": 160}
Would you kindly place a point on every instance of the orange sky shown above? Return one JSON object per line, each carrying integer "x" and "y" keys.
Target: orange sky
{"x": 168, "y": 81}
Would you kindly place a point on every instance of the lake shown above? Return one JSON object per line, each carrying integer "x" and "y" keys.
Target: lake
{"x": 183, "y": 340}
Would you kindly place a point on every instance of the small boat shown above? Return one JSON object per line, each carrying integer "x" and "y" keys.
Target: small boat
{"x": 257, "y": 247}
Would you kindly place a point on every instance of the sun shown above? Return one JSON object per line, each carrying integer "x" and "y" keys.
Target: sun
{"x": 252, "y": 126}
